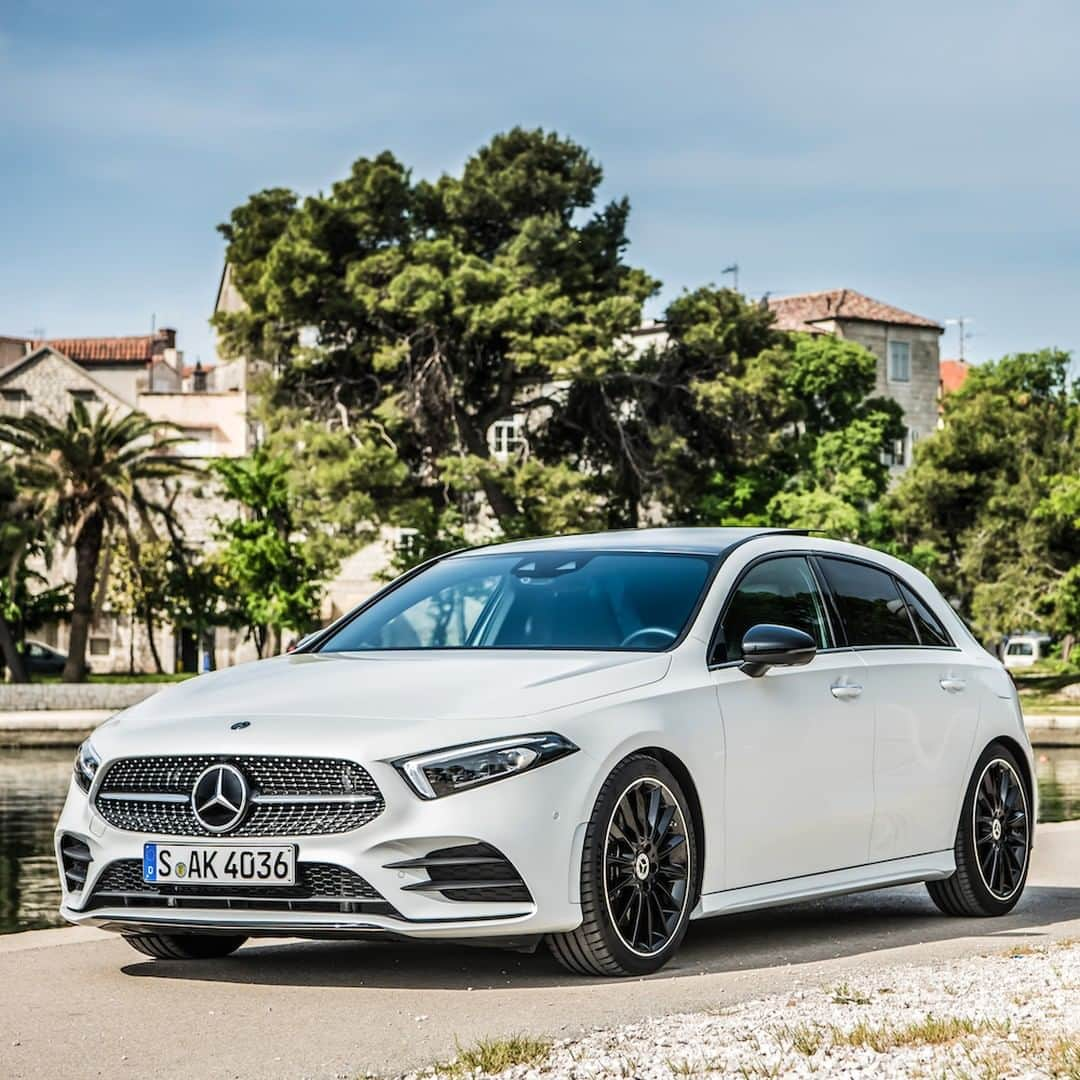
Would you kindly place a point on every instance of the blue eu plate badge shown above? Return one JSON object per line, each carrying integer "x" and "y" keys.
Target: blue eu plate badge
{"x": 149, "y": 861}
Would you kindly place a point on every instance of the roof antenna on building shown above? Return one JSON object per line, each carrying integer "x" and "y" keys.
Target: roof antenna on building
{"x": 961, "y": 323}
{"x": 733, "y": 270}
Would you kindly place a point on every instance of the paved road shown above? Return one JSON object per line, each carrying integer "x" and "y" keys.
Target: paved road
{"x": 79, "y": 1003}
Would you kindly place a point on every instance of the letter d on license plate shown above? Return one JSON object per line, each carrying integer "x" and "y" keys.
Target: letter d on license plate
{"x": 219, "y": 864}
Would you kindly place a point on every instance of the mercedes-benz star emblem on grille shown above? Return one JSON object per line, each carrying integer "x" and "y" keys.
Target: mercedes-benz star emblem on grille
{"x": 219, "y": 798}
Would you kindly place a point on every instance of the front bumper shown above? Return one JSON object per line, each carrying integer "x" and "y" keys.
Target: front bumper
{"x": 534, "y": 820}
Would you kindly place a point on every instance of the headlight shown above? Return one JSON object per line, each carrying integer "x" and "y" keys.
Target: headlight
{"x": 87, "y": 763}
{"x": 459, "y": 767}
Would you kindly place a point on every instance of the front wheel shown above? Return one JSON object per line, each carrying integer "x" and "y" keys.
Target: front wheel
{"x": 185, "y": 946}
{"x": 638, "y": 870}
{"x": 993, "y": 841}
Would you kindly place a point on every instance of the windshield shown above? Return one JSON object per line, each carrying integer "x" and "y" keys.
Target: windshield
{"x": 543, "y": 600}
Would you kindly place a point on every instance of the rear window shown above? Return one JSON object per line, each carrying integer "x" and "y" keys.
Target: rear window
{"x": 871, "y": 607}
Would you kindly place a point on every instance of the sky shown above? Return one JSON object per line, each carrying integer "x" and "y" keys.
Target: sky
{"x": 926, "y": 154}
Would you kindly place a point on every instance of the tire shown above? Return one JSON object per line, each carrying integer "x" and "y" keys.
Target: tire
{"x": 993, "y": 840}
{"x": 638, "y": 875}
{"x": 185, "y": 946}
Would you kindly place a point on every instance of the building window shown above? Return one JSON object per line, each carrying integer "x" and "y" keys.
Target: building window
{"x": 893, "y": 453}
{"x": 198, "y": 443}
{"x": 15, "y": 402}
{"x": 408, "y": 543}
{"x": 899, "y": 361}
{"x": 100, "y": 646}
{"x": 507, "y": 436}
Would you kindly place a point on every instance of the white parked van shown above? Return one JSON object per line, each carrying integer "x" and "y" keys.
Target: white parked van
{"x": 1024, "y": 650}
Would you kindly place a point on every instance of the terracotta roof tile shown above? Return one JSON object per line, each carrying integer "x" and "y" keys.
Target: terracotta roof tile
{"x": 111, "y": 350}
{"x": 103, "y": 350}
{"x": 953, "y": 374}
{"x": 804, "y": 311}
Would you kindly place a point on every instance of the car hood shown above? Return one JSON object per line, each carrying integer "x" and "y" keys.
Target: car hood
{"x": 392, "y": 703}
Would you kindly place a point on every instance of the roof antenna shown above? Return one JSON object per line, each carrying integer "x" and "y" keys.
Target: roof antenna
{"x": 961, "y": 323}
{"x": 733, "y": 270}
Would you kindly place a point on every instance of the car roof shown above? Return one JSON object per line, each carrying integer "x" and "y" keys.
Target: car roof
{"x": 693, "y": 541}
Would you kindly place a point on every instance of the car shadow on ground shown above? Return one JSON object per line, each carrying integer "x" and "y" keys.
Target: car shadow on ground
{"x": 846, "y": 926}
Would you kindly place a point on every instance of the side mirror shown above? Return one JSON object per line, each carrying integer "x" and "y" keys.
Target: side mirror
{"x": 765, "y": 646}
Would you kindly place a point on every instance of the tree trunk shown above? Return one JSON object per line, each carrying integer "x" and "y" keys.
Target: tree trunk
{"x": 87, "y": 555}
{"x": 149, "y": 619}
{"x": 16, "y": 662}
{"x": 275, "y": 640}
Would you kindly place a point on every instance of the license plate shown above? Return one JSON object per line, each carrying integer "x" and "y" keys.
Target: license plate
{"x": 219, "y": 864}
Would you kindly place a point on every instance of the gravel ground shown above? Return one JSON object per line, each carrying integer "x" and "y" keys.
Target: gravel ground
{"x": 1008, "y": 1015}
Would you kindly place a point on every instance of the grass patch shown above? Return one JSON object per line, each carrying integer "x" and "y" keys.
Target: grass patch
{"x": 933, "y": 1031}
{"x": 495, "y": 1055}
{"x": 1017, "y": 951}
{"x": 1065, "y": 1058}
{"x": 847, "y": 995}
{"x": 804, "y": 1039}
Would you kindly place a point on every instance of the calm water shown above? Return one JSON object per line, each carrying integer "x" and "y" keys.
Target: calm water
{"x": 33, "y": 786}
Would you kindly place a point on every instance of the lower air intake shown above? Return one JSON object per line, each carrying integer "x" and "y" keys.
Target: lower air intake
{"x": 476, "y": 873}
{"x": 319, "y": 887}
{"x": 75, "y": 858}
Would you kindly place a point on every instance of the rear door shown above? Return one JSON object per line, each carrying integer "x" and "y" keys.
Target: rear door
{"x": 925, "y": 713}
{"x": 798, "y": 776}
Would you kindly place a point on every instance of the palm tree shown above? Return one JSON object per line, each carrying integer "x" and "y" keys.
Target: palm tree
{"x": 92, "y": 474}
{"x": 20, "y": 526}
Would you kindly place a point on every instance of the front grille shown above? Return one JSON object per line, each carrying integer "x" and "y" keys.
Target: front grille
{"x": 319, "y": 887}
{"x": 75, "y": 857}
{"x": 468, "y": 872}
{"x": 342, "y": 794}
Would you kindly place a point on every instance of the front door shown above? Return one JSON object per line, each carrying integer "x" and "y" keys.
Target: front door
{"x": 799, "y": 742}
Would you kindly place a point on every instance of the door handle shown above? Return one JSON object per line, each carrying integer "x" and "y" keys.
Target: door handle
{"x": 845, "y": 691}
{"x": 952, "y": 685}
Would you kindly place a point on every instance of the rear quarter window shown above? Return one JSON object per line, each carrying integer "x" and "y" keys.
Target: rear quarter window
{"x": 931, "y": 632}
{"x": 870, "y": 604}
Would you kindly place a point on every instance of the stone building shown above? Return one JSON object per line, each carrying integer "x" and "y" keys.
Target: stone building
{"x": 906, "y": 347}
{"x": 144, "y": 373}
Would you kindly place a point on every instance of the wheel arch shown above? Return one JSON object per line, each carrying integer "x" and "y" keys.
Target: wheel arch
{"x": 681, "y": 773}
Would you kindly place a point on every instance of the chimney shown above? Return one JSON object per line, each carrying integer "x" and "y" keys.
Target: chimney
{"x": 165, "y": 338}
{"x": 198, "y": 378}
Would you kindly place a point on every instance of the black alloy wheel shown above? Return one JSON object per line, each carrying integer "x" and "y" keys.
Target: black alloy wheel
{"x": 1000, "y": 824}
{"x": 993, "y": 840}
{"x": 646, "y": 866}
{"x": 639, "y": 874}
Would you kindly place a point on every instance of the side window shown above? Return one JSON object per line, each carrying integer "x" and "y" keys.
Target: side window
{"x": 872, "y": 609}
{"x": 931, "y": 632}
{"x": 782, "y": 591}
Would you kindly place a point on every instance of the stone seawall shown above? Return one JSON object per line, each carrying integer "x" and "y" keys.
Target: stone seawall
{"x": 65, "y": 697}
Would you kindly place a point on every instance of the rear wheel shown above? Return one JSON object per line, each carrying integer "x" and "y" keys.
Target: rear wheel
{"x": 185, "y": 946}
{"x": 993, "y": 841}
{"x": 639, "y": 866}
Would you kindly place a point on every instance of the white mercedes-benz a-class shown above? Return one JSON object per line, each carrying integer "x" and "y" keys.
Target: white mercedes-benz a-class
{"x": 587, "y": 741}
